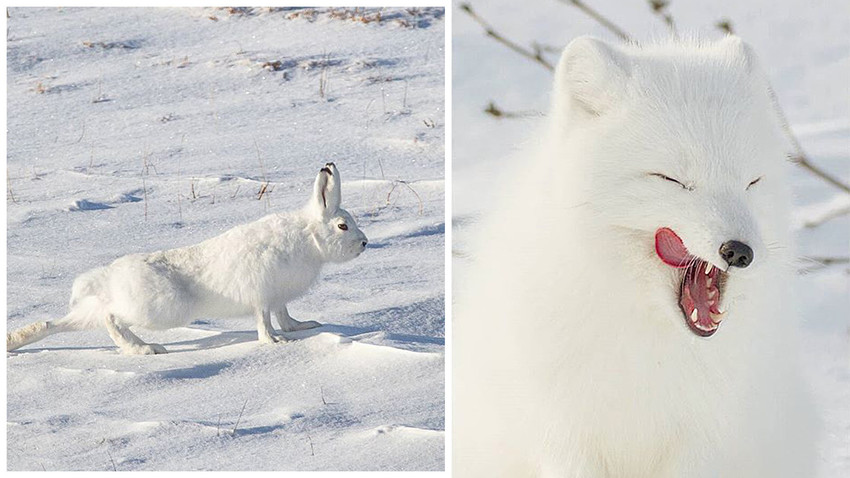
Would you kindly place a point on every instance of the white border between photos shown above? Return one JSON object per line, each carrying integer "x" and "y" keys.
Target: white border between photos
{"x": 447, "y": 5}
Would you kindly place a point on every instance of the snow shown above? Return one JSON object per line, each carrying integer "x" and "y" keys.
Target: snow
{"x": 135, "y": 130}
{"x": 806, "y": 52}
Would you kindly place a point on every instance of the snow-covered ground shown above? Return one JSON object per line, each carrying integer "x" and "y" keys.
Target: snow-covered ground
{"x": 806, "y": 50}
{"x": 136, "y": 130}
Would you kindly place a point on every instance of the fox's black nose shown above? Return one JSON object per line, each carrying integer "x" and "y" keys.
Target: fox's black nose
{"x": 736, "y": 254}
{"x": 364, "y": 243}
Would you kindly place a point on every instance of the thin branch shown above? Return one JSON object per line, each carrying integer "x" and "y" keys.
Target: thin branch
{"x": 828, "y": 261}
{"x": 799, "y": 156}
{"x": 726, "y": 25}
{"x": 817, "y": 263}
{"x": 83, "y": 134}
{"x": 826, "y": 217}
{"x": 659, "y": 8}
{"x": 145, "y": 190}
{"x": 396, "y": 182}
{"x": 555, "y": 50}
{"x": 265, "y": 184}
{"x": 111, "y": 460}
{"x": 601, "y": 19}
{"x": 240, "y": 417}
{"x": 9, "y": 187}
{"x": 535, "y": 55}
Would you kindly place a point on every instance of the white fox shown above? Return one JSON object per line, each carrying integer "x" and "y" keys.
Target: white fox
{"x": 256, "y": 268}
{"x": 628, "y": 312}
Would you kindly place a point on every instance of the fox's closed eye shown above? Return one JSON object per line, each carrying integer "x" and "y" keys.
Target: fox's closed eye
{"x": 689, "y": 187}
{"x": 753, "y": 182}
{"x": 344, "y": 227}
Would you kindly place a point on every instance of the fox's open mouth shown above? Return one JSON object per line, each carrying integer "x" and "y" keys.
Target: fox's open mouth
{"x": 702, "y": 284}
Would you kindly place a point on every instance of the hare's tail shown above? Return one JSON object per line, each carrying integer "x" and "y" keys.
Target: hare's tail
{"x": 84, "y": 316}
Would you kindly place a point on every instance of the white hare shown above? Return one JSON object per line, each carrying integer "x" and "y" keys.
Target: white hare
{"x": 253, "y": 268}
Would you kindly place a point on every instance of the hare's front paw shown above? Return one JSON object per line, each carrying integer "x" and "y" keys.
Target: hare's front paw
{"x": 145, "y": 349}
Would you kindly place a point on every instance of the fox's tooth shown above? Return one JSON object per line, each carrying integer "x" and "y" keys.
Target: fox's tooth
{"x": 708, "y": 269}
{"x": 694, "y": 316}
{"x": 716, "y": 318}
{"x": 708, "y": 282}
{"x": 712, "y": 293}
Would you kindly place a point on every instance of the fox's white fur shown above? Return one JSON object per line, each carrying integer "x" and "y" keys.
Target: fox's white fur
{"x": 571, "y": 355}
{"x": 256, "y": 268}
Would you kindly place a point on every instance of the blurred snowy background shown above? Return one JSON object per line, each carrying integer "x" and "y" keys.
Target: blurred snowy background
{"x": 805, "y": 48}
{"x": 135, "y": 130}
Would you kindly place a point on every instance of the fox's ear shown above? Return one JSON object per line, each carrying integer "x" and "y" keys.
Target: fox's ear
{"x": 326, "y": 190}
{"x": 740, "y": 52}
{"x": 591, "y": 76}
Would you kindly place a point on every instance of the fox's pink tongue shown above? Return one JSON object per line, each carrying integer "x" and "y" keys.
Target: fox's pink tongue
{"x": 671, "y": 249}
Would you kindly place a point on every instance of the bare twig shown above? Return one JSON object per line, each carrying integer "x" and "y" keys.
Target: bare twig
{"x": 817, "y": 263}
{"x": 312, "y": 452}
{"x": 659, "y": 8}
{"x": 145, "y": 189}
{"x": 726, "y": 25}
{"x": 799, "y": 156}
{"x": 265, "y": 184}
{"x": 323, "y": 76}
{"x": 828, "y": 261}
{"x": 547, "y": 48}
{"x": 601, "y": 19}
{"x": 81, "y": 134}
{"x": 9, "y": 187}
{"x": 533, "y": 55}
{"x": 240, "y": 417}
{"x": 111, "y": 460}
{"x": 497, "y": 112}
{"x": 826, "y": 217}
{"x": 396, "y": 182}
{"x": 179, "y": 204}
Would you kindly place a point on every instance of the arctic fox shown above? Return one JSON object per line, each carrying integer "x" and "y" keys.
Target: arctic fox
{"x": 254, "y": 268}
{"x": 628, "y": 311}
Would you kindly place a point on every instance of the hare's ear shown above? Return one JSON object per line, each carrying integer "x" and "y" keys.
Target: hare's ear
{"x": 326, "y": 190}
{"x": 591, "y": 77}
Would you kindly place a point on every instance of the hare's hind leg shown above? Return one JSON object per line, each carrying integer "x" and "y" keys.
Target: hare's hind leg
{"x": 265, "y": 331}
{"x": 288, "y": 324}
{"x": 128, "y": 342}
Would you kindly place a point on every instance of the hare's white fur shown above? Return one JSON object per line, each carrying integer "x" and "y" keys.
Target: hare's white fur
{"x": 256, "y": 268}
{"x": 571, "y": 356}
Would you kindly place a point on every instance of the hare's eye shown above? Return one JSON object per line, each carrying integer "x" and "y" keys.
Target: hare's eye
{"x": 689, "y": 187}
{"x": 344, "y": 227}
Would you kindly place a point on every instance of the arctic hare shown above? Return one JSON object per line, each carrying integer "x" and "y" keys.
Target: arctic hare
{"x": 254, "y": 268}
